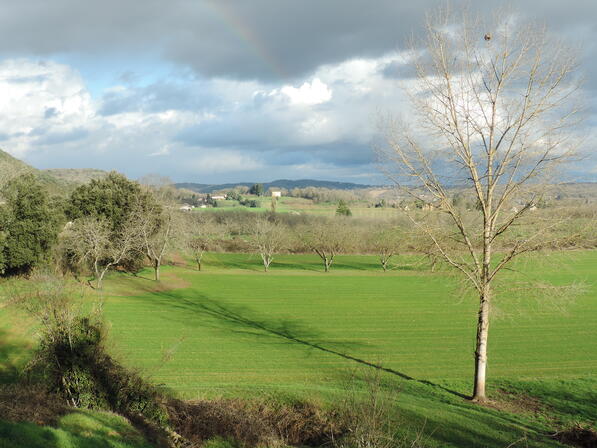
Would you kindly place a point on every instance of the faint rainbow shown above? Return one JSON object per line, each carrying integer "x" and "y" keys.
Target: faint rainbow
{"x": 240, "y": 28}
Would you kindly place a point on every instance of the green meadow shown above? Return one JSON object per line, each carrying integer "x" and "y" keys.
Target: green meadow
{"x": 232, "y": 329}
{"x": 297, "y": 332}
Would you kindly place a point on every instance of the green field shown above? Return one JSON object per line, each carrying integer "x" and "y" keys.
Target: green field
{"x": 298, "y": 332}
{"x": 286, "y": 204}
{"x": 81, "y": 429}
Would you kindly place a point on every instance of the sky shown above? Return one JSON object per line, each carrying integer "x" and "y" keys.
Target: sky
{"x": 215, "y": 91}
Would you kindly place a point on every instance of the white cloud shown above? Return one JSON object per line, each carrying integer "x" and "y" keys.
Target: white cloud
{"x": 39, "y": 98}
{"x": 310, "y": 93}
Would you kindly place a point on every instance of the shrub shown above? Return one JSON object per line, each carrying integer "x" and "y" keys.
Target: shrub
{"x": 71, "y": 360}
{"x": 28, "y": 225}
{"x": 253, "y": 423}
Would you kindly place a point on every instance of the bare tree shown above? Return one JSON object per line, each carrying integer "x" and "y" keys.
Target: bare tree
{"x": 386, "y": 242}
{"x": 495, "y": 102}
{"x": 202, "y": 234}
{"x": 268, "y": 238}
{"x": 92, "y": 242}
{"x": 158, "y": 224}
{"x": 328, "y": 238}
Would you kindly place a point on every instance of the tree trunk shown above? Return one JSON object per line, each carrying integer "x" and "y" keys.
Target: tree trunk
{"x": 481, "y": 347}
{"x": 101, "y": 278}
{"x": 156, "y": 267}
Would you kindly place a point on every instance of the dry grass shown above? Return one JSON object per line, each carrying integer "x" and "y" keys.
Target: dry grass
{"x": 253, "y": 423}
{"x": 34, "y": 404}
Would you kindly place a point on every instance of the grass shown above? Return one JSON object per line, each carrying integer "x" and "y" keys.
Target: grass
{"x": 286, "y": 204}
{"x": 233, "y": 330}
{"x": 81, "y": 429}
{"x": 297, "y": 331}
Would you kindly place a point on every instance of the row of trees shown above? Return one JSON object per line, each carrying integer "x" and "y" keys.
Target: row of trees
{"x": 117, "y": 223}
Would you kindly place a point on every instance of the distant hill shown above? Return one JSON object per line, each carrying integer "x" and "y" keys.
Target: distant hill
{"x": 58, "y": 181}
{"x": 76, "y": 175}
{"x": 280, "y": 183}
{"x": 11, "y": 167}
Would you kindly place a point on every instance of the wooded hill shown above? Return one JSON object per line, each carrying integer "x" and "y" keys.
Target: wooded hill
{"x": 56, "y": 181}
{"x": 280, "y": 183}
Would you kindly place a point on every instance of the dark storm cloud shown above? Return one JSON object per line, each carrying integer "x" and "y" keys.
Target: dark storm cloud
{"x": 261, "y": 39}
{"x": 224, "y": 129}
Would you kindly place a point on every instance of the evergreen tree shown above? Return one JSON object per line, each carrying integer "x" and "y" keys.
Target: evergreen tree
{"x": 29, "y": 225}
{"x": 257, "y": 189}
{"x": 343, "y": 209}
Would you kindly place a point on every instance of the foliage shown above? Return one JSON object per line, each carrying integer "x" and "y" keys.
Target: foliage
{"x": 319, "y": 194}
{"x": 112, "y": 200}
{"x": 71, "y": 359}
{"x": 29, "y": 224}
{"x": 342, "y": 209}
{"x": 252, "y": 203}
{"x": 234, "y": 195}
{"x": 257, "y": 189}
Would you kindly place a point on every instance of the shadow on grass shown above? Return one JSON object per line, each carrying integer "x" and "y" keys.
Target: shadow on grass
{"x": 572, "y": 400}
{"x": 244, "y": 320}
{"x": 12, "y": 358}
{"x": 82, "y": 429}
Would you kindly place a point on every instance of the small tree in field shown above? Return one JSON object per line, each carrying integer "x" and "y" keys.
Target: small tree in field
{"x": 93, "y": 243}
{"x": 386, "y": 243}
{"x": 342, "y": 209}
{"x": 201, "y": 235}
{"x": 328, "y": 238}
{"x": 493, "y": 104}
{"x": 158, "y": 223}
{"x": 257, "y": 189}
{"x": 268, "y": 238}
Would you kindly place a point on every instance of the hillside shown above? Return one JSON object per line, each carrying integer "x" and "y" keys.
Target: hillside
{"x": 76, "y": 175}
{"x": 57, "y": 181}
{"x": 11, "y": 167}
{"x": 280, "y": 183}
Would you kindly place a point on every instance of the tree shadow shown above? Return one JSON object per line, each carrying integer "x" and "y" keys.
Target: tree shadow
{"x": 82, "y": 429}
{"x": 13, "y": 356}
{"x": 243, "y": 320}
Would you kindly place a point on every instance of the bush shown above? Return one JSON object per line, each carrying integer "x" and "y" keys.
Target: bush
{"x": 71, "y": 360}
{"x": 29, "y": 225}
{"x": 73, "y": 363}
{"x": 253, "y": 423}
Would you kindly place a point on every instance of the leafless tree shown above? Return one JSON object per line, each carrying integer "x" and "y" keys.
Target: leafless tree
{"x": 201, "y": 234}
{"x": 93, "y": 243}
{"x": 386, "y": 242}
{"x": 328, "y": 238}
{"x": 268, "y": 238}
{"x": 494, "y": 116}
{"x": 158, "y": 223}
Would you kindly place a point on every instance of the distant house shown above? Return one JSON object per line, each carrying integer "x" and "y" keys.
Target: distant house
{"x": 218, "y": 197}
{"x": 276, "y": 194}
{"x": 186, "y": 208}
